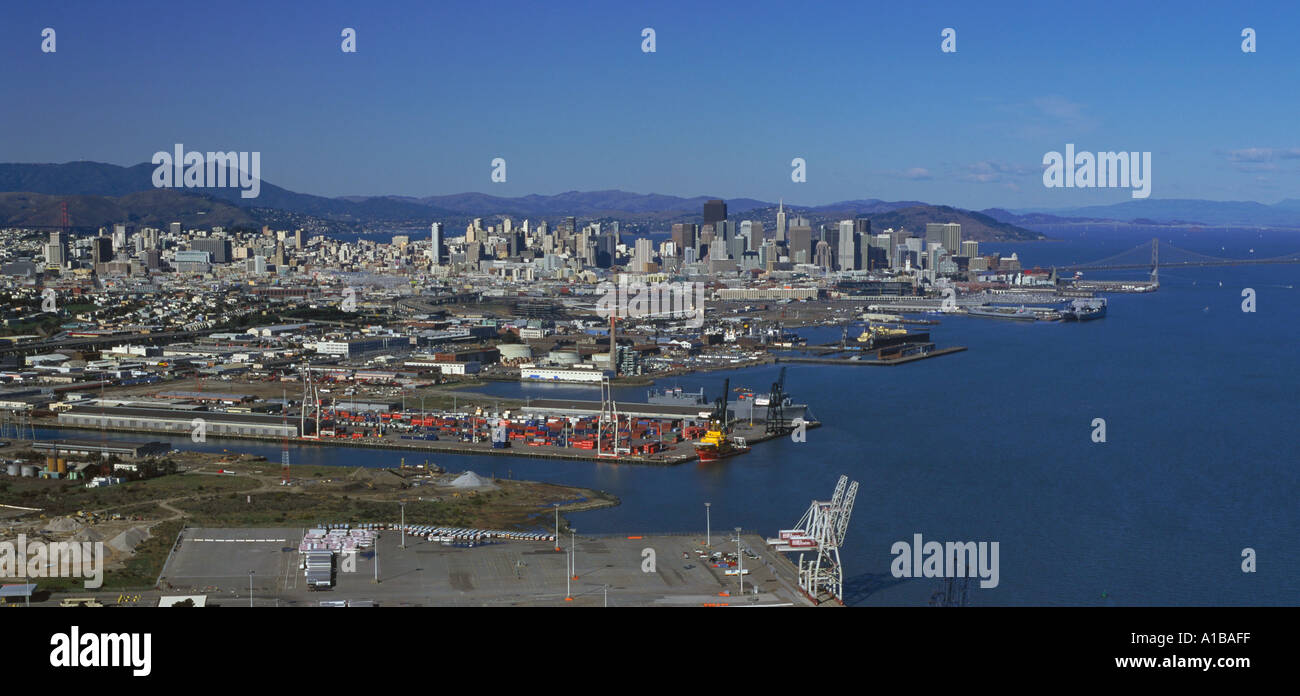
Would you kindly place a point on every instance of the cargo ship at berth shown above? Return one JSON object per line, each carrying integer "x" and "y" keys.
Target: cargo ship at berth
{"x": 1084, "y": 310}
{"x": 878, "y": 336}
{"x": 1012, "y": 313}
{"x": 747, "y": 407}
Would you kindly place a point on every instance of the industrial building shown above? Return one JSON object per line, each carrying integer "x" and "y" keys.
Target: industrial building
{"x": 104, "y": 448}
{"x": 157, "y": 419}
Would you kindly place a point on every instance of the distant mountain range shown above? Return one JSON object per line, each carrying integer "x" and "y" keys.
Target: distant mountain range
{"x": 1165, "y": 211}
{"x": 99, "y": 194}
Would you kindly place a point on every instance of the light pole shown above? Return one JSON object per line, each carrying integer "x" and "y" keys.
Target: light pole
{"x": 568, "y": 587}
{"x": 606, "y": 595}
{"x": 402, "y": 504}
{"x": 557, "y": 526}
{"x": 376, "y": 560}
{"x": 740, "y": 563}
{"x": 708, "y": 526}
{"x": 573, "y": 544}
{"x": 250, "y": 589}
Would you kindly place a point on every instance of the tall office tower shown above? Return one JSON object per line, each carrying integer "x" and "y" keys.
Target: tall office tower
{"x": 737, "y": 246}
{"x": 848, "y": 246}
{"x": 780, "y": 222}
{"x": 970, "y": 249}
{"x": 607, "y": 249}
{"x": 507, "y": 225}
{"x": 218, "y": 249}
{"x": 759, "y": 233}
{"x": 102, "y": 249}
{"x": 279, "y": 255}
{"x": 56, "y": 254}
{"x": 119, "y": 237}
{"x": 437, "y": 246}
{"x": 569, "y": 229}
{"x": 724, "y": 229}
{"x": 823, "y": 255}
{"x": 688, "y": 255}
{"x": 644, "y": 255}
{"x": 915, "y": 249}
{"x": 862, "y": 226}
{"x": 718, "y": 249}
{"x": 706, "y": 235}
{"x": 952, "y": 237}
{"x": 150, "y": 238}
{"x": 881, "y": 251}
{"x": 801, "y": 244}
{"x": 714, "y": 211}
{"x": 175, "y": 229}
{"x": 614, "y": 231}
{"x": 746, "y": 233}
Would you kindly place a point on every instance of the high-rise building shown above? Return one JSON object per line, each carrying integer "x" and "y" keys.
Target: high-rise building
{"x": 436, "y": 244}
{"x": 644, "y": 255}
{"x": 946, "y": 233}
{"x": 970, "y": 249}
{"x": 218, "y": 249}
{"x": 823, "y": 255}
{"x": 683, "y": 236}
{"x": 780, "y": 222}
{"x": 801, "y": 244}
{"x": 714, "y": 211}
{"x": 102, "y": 249}
{"x": 848, "y": 246}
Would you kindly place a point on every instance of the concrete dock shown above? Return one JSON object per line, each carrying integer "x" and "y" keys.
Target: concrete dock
{"x": 623, "y": 570}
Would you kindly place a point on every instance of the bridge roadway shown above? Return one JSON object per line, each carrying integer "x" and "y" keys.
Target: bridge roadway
{"x": 1180, "y": 264}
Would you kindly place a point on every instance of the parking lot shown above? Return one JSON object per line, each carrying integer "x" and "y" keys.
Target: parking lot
{"x": 618, "y": 570}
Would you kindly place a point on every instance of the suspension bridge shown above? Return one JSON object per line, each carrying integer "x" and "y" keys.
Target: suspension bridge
{"x": 1152, "y": 255}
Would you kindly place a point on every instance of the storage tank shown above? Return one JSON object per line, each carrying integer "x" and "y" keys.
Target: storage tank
{"x": 12, "y": 469}
{"x": 49, "y": 464}
{"x": 29, "y": 470}
{"x": 62, "y": 466}
{"x": 564, "y": 357}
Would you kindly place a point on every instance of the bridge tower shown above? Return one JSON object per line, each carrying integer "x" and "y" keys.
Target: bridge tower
{"x": 1155, "y": 261}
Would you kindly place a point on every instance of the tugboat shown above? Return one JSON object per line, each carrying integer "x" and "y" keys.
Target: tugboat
{"x": 717, "y": 442}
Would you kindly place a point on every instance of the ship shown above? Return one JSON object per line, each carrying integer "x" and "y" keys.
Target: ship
{"x": 877, "y": 336}
{"x": 718, "y": 442}
{"x": 1013, "y": 313}
{"x": 676, "y": 396}
{"x": 1084, "y": 310}
{"x": 747, "y": 407}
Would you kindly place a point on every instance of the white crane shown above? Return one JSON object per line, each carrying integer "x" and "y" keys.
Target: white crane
{"x": 821, "y": 531}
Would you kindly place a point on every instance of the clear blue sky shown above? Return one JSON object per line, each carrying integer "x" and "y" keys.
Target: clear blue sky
{"x": 564, "y": 93}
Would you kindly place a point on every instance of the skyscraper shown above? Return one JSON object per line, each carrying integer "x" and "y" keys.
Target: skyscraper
{"x": 436, "y": 244}
{"x": 848, "y": 246}
{"x": 683, "y": 235}
{"x": 780, "y": 223}
{"x": 801, "y": 244}
{"x": 714, "y": 211}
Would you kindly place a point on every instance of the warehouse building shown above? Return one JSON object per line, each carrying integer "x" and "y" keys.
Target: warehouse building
{"x": 158, "y": 419}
